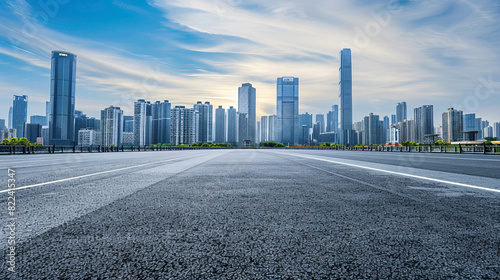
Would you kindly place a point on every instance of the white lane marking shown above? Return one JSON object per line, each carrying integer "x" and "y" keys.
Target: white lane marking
{"x": 421, "y": 155}
{"x": 89, "y": 175}
{"x": 399, "y": 174}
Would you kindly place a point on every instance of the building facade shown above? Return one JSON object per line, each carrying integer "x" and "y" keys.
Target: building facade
{"x": 183, "y": 126}
{"x": 111, "y": 126}
{"x": 247, "y": 105}
{"x": 62, "y": 99}
{"x": 19, "y": 114}
{"x": 345, "y": 95}
{"x": 220, "y": 125}
{"x": 288, "y": 110}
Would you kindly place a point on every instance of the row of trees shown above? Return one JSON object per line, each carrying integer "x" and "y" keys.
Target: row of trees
{"x": 16, "y": 141}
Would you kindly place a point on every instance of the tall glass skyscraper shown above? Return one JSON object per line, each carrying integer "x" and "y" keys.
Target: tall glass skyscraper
{"x": 19, "y": 114}
{"x": 220, "y": 125}
{"x": 62, "y": 99}
{"x": 401, "y": 112}
{"x": 287, "y": 108}
{"x": 247, "y": 105}
{"x": 345, "y": 88}
{"x": 232, "y": 126}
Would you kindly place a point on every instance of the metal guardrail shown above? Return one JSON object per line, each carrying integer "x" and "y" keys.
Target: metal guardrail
{"x": 12, "y": 150}
{"x": 20, "y": 149}
{"x": 422, "y": 149}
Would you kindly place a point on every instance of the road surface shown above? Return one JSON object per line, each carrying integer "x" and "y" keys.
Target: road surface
{"x": 253, "y": 214}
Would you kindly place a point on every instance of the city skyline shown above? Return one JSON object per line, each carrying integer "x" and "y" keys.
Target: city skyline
{"x": 451, "y": 54}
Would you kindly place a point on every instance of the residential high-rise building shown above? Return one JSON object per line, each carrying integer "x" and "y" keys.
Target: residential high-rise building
{"x": 332, "y": 120}
{"x": 273, "y": 128}
{"x": 111, "y": 126}
{"x": 84, "y": 122}
{"x": 220, "y": 125}
{"x": 424, "y": 123}
{"x": 183, "y": 126}
{"x": 321, "y": 119}
{"x": 11, "y": 117}
{"x": 41, "y": 120}
{"x": 452, "y": 125}
{"x": 62, "y": 99}
{"x": 401, "y": 112}
{"x": 287, "y": 109}
{"x": 203, "y": 122}
{"x": 487, "y": 132}
{"x": 496, "y": 130}
{"x": 143, "y": 123}
{"x": 232, "y": 126}
{"x": 161, "y": 122}
{"x": 345, "y": 89}
{"x": 19, "y": 114}
{"x": 87, "y": 137}
{"x": 372, "y": 130}
{"x": 128, "y": 125}
{"x": 247, "y": 105}
{"x": 264, "y": 129}
{"x": 32, "y": 131}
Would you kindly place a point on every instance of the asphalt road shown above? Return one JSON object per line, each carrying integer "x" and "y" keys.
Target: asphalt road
{"x": 253, "y": 214}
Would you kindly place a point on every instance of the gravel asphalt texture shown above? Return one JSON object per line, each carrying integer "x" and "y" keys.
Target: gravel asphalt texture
{"x": 252, "y": 214}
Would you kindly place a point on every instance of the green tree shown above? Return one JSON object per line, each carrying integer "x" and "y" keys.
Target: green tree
{"x": 205, "y": 145}
{"x": 327, "y": 144}
{"x": 5, "y": 141}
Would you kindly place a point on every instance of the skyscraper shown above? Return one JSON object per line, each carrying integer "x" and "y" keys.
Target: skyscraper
{"x": 183, "y": 126}
{"x": 321, "y": 119}
{"x": 220, "y": 125}
{"x": 264, "y": 131}
{"x": 161, "y": 122}
{"x": 143, "y": 123}
{"x": 287, "y": 109}
{"x": 345, "y": 88}
{"x": 401, "y": 112}
{"x": 2, "y": 124}
{"x": 111, "y": 126}
{"x": 496, "y": 130}
{"x": 19, "y": 114}
{"x": 41, "y": 120}
{"x": 332, "y": 120}
{"x": 232, "y": 126}
{"x": 424, "y": 123}
{"x": 62, "y": 99}
{"x": 47, "y": 114}
{"x": 243, "y": 131}
{"x": 247, "y": 105}
{"x": 393, "y": 119}
{"x": 273, "y": 128}
{"x": 203, "y": 122}
{"x": 32, "y": 131}
{"x": 128, "y": 124}
{"x": 11, "y": 117}
{"x": 452, "y": 125}
{"x": 469, "y": 124}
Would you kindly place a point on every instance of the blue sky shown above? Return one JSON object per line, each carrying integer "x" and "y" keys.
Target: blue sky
{"x": 445, "y": 53}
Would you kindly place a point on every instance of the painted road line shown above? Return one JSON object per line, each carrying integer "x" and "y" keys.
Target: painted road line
{"x": 90, "y": 175}
{"x": 398, "y": 173}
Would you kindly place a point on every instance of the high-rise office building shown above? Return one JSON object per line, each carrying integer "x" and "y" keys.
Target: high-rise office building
{"x": 62, "y": 99}
{"x": 247, "y": 105}
{"x": 401, "y": 112}
{"x": 257, "y": 141}
{"x": 345, "y": 89}
{"x": 386, "y": 130}
{"x": 203, "y": 122}
{"x": 32, "y": 131}
{"x": 321, "y": 119}
{"x": 47, "y": 113}
{"x": 41, "y": 120}
{"x": 183, "y": 126}
{"x": 232, "y": 126}
{"x": 479, "y": 128}
{"x": 143, "y": 123}
{"x": 372, "y": 130}
{"x": 488, "y": 132}
{"x": 394, "y": 121}
{"x": 2, "y": 124}
{"x": 305, "y": 124}
{"x": 161, "y": 122}
{"x": 11, "y": 117}
{"x": 220, "y": 125}
{"x": 19, "y": 114}
{"x": 273, "y": 128}
{"x": 452, "y": 125}
{"x": 287, "y": 109}
{"x": 243, "y": 130}
{"x": 469, "y": 124}
{"x": 332, "y": 120}
{"x": 111, "y": 126}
